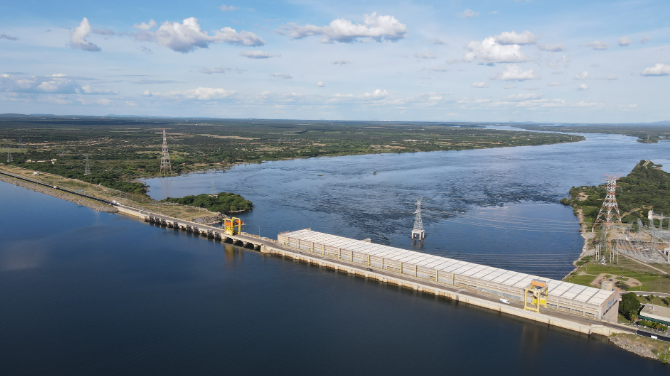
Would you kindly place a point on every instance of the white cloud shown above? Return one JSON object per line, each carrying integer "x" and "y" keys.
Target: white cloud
{"x": 480, "y": 84}
{"x": 437, "y": 41}
{"x": 514, "y": 72}
{"x": 320, "y": 84}
{"x": 214, "y": 70}
{"x": 551, "y": 47}
{"x": 494, "y": 12}
{"x": 103, "y": 102}
{"x": 645, "y": 39}
{"x": 588, "y": 104}
{"x": 201, "y": 93}
{"x": 597, "y": 45}
{"x": 344, "y": 31}
{"x": 185, "y": 37}
{"x": 523, "y": 97}
{"x": 425, "y": 55}
{"x": 439, "y": 69}
{"x": 257, "y": 54}
{"x": 91, "y": 91}
{"x": 468, "y": 13}
{"x": 78, "y": 37}
{"x": 376, "y": 96}
{"x": 624, "y": 41}
{"x": 50, "y": 84}
{"x": 581, "y": 76}
{"x": 341, "y": 62}
{"x": 511, "y": 37}
{"x": 659, "y": 69}
{"x": 228, "y": 8}
{"x": 489, "y": 51}
{"x": 583, "y": 87}
{"x": 509, "y": 87}
{"x": 145, "y": 26}
{"x": 281, "y": 75}
{"x": 555, "y": 83}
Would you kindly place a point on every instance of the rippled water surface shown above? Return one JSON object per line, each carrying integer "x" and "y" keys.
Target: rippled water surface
{"x": 88, "y": 293}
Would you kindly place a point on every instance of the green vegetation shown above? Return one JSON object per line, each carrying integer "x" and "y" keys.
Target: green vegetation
{"x": 646, "y": 133}
{"x": 629, "y": 306}
{"x": 122, "y": 149}
{"x": 646, "y": 187}
{"x": 650, "y": 279}
{"x": 223, "y": 202}
{"x": 652, "y": 325}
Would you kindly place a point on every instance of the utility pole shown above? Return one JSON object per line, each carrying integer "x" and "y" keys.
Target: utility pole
{"x": 165, "y": 157}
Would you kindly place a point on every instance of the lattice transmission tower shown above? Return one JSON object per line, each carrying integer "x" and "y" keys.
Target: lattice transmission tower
{"x": 87, "y": 168}
{"x": 417, "y": 231}
{"x": 9, "y": 155}
{"x": 609, "y": 206}
{"x": 165, "y": 157}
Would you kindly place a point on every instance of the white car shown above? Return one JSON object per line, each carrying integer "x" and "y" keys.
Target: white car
{"x": 504, "y": 301}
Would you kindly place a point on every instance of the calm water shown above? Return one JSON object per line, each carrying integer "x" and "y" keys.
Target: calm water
{"x": 87, "y": 293}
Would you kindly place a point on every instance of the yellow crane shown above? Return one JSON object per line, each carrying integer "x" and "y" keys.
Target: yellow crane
{"x": 232, "y": 226}
{"x": 537, "y": 291}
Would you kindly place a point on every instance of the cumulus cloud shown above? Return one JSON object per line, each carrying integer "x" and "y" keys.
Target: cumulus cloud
{"x": 257, "y": 54}
{"x": 228, "y": 8}
{"x": 375, "y": 27}
{"x": 186, "y": 36}
{"x": 376, "y": 96}
{"x": 588, "y": 104}
{"x": 214, "y": 70}
{"x": 624, "y": 41}
{"x": 511, "y": 37}
{"x": 425, "y": 55}
{"x": 583, "y": 87}
{"x": 597, "y": 45}
{"x": 78, "y": 37}
{"x": 480, "y": 84}
{"x": 58, "y": 83}
{"x": 489, "y": 51}
{"x": 558, "y": 47}
{"x": 555, "y": 83}
{"x": 341, "y": 62}
{"x": 659, "y": 69}
{"x": 468, "y": 13}
{"x": 91, "y": 91}
{"x": 320, "y": 84}
{"x": 514, "y": 72}
{"x": 145, "y": 26}
{"x": 581, "y": 76}
{"x": 281, "y": 75}
{"x": 645, "y": 39}
{"x": 8, "y": 37}
{"x": 201, "y": 93}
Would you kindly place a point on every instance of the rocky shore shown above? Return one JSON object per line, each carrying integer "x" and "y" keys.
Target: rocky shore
{"x": 60, "y": 194}
{"x": 643, "y": 346}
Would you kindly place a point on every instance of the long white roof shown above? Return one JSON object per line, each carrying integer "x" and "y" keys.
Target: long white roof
{"x": 565, "y": 290}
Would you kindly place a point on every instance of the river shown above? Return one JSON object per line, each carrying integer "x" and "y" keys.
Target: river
{"x": 85, "y": 292}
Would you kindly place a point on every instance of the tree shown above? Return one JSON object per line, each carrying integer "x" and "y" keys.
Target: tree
{"x": 629, "y": 306}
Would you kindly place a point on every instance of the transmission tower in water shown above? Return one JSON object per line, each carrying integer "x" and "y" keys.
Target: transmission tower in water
{"x": 417, "y": 231}
{"x": 87, "y": 168}
{"x": 165, "y": 157}
{"x": 610, "y": 205}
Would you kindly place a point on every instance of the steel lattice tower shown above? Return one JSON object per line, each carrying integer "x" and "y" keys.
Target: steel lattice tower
{"x": 9, "y": 155}
{"x": 165, "y": 157}
{"x": 418, "y": 232}
{"x": 87, "y": 168}
{"x": 610, "y": 205}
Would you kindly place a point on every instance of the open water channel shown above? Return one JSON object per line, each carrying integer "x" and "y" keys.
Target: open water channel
{"x": 84, "y": 292}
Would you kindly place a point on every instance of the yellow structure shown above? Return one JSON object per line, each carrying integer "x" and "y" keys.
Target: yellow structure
{"x": 537, "y": 291}
{"x": 229, "y": 225}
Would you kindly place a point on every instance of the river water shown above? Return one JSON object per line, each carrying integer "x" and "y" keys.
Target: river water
{"x": 86, "y": 293}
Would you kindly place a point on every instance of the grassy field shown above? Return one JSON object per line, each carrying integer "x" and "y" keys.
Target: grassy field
{"x": 651, "y": 279}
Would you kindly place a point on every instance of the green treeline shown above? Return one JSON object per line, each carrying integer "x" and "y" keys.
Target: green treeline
{"x": 223, "y": 202}
{"x": 646, "y": 187}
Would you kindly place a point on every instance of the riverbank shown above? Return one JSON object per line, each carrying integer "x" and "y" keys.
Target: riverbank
{"x": 642, "y": 346}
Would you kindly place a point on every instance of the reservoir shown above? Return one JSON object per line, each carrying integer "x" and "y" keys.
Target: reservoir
{"x": 85, "y": 292}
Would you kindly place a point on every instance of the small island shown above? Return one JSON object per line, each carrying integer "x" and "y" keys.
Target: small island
{"x": 224, "y": 202}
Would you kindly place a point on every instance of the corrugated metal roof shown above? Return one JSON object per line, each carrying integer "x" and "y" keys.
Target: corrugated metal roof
{"x": 510, "y": 278}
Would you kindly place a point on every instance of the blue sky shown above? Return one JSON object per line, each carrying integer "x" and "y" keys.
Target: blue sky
{"x": 505, "y": 60}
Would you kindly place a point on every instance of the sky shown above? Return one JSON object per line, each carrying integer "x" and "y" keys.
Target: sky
{"x": 451, "y": 60}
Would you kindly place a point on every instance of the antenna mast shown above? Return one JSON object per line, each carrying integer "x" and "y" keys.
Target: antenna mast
{"x": 165, "y": 157}
{"x": 418, "y": 232}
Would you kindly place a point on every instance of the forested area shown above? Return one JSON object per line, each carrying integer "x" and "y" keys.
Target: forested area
{"x": 223, "y": 202}
{"x": 646, "y": 187}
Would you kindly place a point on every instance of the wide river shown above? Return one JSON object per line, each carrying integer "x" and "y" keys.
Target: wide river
{"x": 89, "y": 293}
